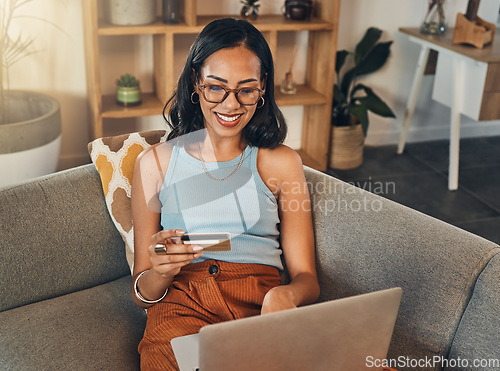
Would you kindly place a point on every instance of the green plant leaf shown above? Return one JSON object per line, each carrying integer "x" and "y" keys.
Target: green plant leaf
{"x": 361, "y": 113}
{"x": 340, "y": 58}
{"x": 346, "y": 82}
{"x": 127, "y": 80}
{"x": 377, "y": 106}
{"x": 338, "y": 96}
{"x": 375, "y": 59}
{"x": 373, "y": 103}
{"x": 370, "y": 55}
{"x": 366, "y": 44}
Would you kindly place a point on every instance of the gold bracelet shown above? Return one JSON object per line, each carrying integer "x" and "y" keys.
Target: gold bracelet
{"x": 140, "y": 297}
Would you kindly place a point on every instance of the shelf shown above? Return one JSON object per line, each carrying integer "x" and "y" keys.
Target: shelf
{"x": 150, "y": 106}
{"x": 308, "y": 160}
{"x": 263, "y": 23}
{"x": 314, "y": 96}
{"x": 158, "y": 27}
{"x": 277, "y": 22}
{"x": 305, "y": 96}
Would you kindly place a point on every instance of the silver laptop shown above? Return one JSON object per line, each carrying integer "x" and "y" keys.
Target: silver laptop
{"x": 345, "y": 334}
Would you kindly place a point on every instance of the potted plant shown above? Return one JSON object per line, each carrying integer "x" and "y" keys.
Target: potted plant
{"x": 128, "y": 90}
{"x": 30, "y": 122}
{"x": 353, "y": 100}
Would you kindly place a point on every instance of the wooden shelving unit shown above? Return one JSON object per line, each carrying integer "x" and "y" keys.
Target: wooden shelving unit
{"x": 315, "y": 95}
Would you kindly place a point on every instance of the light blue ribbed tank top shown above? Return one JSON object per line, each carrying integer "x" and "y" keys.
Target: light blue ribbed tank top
{"x": 241, "y": 205}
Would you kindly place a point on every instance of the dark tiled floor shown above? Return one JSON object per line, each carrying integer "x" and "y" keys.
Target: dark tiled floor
{"x": 419, "y": 179}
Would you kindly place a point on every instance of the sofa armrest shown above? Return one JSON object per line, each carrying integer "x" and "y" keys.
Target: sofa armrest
{"x": 477, "y": 338}
{"x": 365, "y": 242}
{"x": 56, "y": 237}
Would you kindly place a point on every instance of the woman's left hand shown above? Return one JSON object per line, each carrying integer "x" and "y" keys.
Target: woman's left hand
{"x": 278, "y": 298}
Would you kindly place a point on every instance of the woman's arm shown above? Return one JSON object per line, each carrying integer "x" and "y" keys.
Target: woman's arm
{"x": 159, "y": 270}
{"x": 296, "y": 230}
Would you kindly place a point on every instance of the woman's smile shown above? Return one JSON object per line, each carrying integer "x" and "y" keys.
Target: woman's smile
{"x": 228, "y": 120}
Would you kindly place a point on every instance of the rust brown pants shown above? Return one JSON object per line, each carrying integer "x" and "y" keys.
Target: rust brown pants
{"x": 201, "y": 294}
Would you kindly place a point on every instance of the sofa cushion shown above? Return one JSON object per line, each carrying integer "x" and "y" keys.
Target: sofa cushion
{"x": 56, "y": 238}
{"x": 94, "y": 329}
{"x": 114, "y": 158}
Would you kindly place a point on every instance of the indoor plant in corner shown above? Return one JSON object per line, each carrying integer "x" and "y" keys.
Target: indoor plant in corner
{"x": 353, "y": 100}
{"x": 30, "y": 122}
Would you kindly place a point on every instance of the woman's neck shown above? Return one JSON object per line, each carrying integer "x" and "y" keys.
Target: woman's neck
{"x": 218, "y": 150}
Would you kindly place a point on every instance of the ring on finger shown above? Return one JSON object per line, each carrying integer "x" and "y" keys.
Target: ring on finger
{"x": 161, "y": 249}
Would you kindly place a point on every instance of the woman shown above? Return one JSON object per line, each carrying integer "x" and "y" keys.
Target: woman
{"x": 223, "y": 169}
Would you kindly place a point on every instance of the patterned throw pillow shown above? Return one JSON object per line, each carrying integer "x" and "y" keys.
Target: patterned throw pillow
{"x": 114, "y": 157}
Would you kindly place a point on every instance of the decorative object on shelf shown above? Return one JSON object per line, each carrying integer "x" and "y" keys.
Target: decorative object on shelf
{"x": 128, "y": 91}
{"x": 171, "y": 11}
{"x": 435, "y": 20}
{"x": 250, "y": 9}
{"x": 349, "y": 108}
{"x": 298, "y": 10}
{"x": 472, "y": 30}
{"x": 130, "y": 12}
{"x": 288, "y": 85}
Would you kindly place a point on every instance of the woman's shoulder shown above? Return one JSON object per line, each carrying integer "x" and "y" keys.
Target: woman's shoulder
{"x": 279, "y": 158}
{"x": 156, "y": 152}
{"x": 281, "y": 163}
{"x": 157, "y": 156}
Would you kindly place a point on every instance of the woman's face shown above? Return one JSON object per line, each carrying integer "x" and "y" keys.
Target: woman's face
{"x": 230, "y": 68}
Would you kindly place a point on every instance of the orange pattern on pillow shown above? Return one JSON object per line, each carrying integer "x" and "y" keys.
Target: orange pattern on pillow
{"x": 105, "y": 169}
{"x": 128, "y": 161}
{"x": 114, "y": 158}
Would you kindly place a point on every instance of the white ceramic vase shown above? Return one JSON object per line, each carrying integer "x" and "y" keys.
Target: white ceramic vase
{"x": 30, "y": 137}
{"x": 130, "y": 12}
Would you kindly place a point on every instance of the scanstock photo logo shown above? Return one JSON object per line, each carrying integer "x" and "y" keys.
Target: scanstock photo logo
{"x": 331, "y": 195}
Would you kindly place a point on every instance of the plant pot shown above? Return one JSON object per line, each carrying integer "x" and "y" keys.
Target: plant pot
{"x": 128, "y": 96}
{"x": 346, "y": 147}
{"x": 130, "y": 12}
{"x": 30, "y": 137}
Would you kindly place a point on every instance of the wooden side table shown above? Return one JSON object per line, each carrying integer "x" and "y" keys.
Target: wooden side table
{"x": 467, "y": 80}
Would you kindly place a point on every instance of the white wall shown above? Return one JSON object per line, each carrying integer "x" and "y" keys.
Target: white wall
{"x": 58, "y": 68}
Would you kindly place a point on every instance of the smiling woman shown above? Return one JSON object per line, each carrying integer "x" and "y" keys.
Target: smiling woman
{"x": 223, "y": 169}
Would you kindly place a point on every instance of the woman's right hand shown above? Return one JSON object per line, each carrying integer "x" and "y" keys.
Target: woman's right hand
{"x": 177, "y": 254}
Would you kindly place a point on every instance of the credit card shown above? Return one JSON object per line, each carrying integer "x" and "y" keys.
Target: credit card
{"x": 209, "y": 242}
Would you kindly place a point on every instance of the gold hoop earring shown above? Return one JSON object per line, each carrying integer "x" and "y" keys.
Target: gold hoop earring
{"x": 263, "y": 102}
{"x": 192, "y": 98}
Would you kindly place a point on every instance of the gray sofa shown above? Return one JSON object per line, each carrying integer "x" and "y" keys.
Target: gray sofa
{"x": 65, "y": 302}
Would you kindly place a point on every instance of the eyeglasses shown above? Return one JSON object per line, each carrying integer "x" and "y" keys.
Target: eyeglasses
{"x": 217, "y": 94}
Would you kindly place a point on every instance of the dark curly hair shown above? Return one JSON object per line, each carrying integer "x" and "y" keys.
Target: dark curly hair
{"x": 267, "y": 128}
